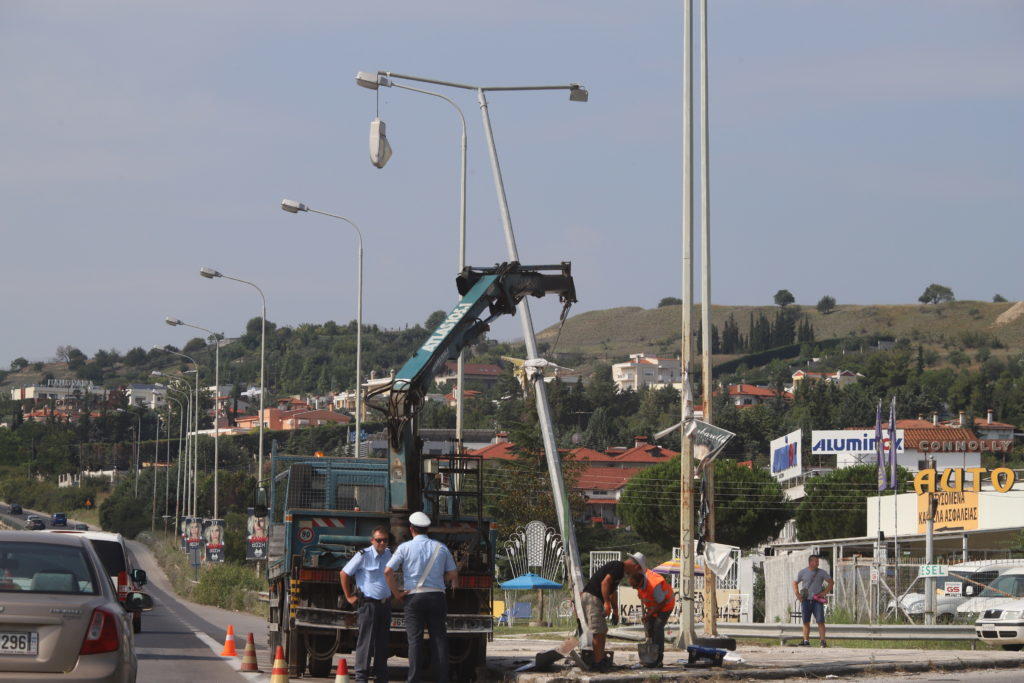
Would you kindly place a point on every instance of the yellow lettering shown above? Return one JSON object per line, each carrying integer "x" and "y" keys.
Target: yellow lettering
{"x": 924, "y": 481}
{"x": 976, "y": 473}
{"x": 1007, "y": 483}
{"x": 958, "y": 479}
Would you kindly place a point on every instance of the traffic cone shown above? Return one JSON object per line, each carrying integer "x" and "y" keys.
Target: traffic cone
{"x": 249, "y": 656}
{"x": 342, "y": 672}
{"x": 229, "y": 643}
{"x": 279, "y": 674}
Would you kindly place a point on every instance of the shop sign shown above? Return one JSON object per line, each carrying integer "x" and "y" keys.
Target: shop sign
{"x": 972, "y": 446}
{"x": 954, "y": 510}
{"x": 952, "y": 479}
{"x": 954, "y": 588}
{"x": 932, "y": 570}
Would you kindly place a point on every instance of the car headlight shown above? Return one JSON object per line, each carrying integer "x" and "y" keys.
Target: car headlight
{"x": 1012, "y": 614}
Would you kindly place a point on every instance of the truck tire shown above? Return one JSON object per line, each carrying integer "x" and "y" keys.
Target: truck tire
{"x": 316, "y": 646}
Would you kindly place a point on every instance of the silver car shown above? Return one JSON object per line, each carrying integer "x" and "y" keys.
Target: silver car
{"x": 60, "y": 618}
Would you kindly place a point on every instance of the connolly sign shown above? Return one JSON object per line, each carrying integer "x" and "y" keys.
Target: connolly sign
{"x": 974, "y": 446}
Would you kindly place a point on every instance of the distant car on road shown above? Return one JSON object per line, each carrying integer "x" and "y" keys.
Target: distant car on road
{"x": 35, "y": 524}
{"x": 1003, "y": 626}
{"x": 62, "y": 618}
{"x": 59, "y": 519}
{"x": 16, "y": 509}
{"x": 81, "y": 526}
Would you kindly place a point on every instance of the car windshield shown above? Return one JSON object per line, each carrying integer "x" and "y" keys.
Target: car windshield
{"x": 1006, "y": 586}
{"x": 45, "y": 568}
{"x": 112, "y": 555}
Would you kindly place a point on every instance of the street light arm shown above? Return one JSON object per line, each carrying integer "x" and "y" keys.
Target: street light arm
{"x": 465, "y": 86}
{"x": 439, "y": 95}
{"x": 350, "y": 222}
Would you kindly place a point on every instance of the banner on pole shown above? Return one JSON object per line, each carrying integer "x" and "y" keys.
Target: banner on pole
{"x": 213, "y": 535}
{"x": 256, "y": 537}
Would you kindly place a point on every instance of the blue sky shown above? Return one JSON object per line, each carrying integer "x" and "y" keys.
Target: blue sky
{"x": 859, "y": 149}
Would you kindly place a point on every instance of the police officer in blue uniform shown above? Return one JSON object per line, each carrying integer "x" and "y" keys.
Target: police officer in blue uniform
{"x": 373, "y": 602}
{"x": 426, "y": 565}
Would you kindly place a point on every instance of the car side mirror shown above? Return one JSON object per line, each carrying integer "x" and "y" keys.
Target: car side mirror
{"x": 138, "y": 602}
{"x": 969, "y": 590}
{"x": 139, "y": 576}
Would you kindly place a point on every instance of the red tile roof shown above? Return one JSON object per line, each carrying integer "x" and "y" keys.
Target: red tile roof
{"x": 646, "y": 453}
{"x": 754, "y": 390}
{"x": 606, "y": 478}
{"x": 912, "y": 438}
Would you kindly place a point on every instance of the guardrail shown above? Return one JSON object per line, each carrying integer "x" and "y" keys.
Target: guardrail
{"x": 784, "y": 632}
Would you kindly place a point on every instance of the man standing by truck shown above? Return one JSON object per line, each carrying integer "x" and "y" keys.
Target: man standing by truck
{"x": 425, "y": 565}
{"x": 373, "y": 602}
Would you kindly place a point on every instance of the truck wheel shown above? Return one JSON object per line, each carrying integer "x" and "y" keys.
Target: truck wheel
{"x": 316, "y": 647}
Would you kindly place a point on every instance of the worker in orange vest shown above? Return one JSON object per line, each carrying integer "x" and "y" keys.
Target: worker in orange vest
{"x": 658, "y": 599}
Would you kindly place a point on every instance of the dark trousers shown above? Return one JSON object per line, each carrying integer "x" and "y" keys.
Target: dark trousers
{"x": 654, "y": 629}
{"x": 374, "y": 623}
{"x": 428, "y": 610}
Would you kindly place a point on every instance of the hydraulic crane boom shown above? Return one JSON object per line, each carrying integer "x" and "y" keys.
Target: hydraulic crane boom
{"x": 487, "y": 293}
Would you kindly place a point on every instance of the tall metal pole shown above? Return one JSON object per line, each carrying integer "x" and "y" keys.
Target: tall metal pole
{"x": 216, "y": 427}
{"x": 686, "y": 616}
{"x": 929, "y": 539}
{"x": 559, "y": 494}
{"x": 195, "y": 456}
{"x": 156, "y": 460}
{"x": 710, "y": 584}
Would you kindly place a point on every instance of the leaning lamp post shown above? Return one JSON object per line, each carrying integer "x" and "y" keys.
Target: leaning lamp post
{"x": 577, "y": 93}
{"x": 175, "y": 322}
{"x": 292, "y": 206}
{"x": 210, "y": 274}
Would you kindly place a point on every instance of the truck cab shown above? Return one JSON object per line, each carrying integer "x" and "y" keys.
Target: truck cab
{"x": 322, "y": 511}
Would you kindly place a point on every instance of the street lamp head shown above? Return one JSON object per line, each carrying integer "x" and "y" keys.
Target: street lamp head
{"x": 380, "y": 148}
{"x": 173, "y": 322}
{"x": 577, "y": 93}
{"x": 209, "y": 272}
{"x": 292, "y": 206}
{"x": 371, "y": 81}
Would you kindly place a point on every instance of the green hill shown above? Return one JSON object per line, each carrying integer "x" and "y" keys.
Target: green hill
{"x": 614, "y": 333}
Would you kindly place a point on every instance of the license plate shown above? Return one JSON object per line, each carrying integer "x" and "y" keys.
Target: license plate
{"x": 19, "y": 643}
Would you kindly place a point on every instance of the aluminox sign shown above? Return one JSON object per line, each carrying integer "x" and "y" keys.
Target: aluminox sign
{"x": 852, "y": 446}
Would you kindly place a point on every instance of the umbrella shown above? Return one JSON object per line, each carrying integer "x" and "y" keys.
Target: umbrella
{"x": 672, "y": 567}
{"x": 529, "y": 581}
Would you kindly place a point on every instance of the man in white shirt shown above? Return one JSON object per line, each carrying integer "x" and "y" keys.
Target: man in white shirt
{"x": 373, "y": 602}
{"x": 425, "y": 565}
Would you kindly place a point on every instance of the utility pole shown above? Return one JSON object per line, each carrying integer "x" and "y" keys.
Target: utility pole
{"x": 929, "y": 582}
{"x": 710, "y": 585}
{"x": 686, "y": 635}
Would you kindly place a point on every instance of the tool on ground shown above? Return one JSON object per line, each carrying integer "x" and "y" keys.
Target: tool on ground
{"x": 279, "y": 673}
{"x": 341, "y": 676}
{"x": 648, "y": 652}
{"x": 543, "y": 660}
{"x": 229, "y": 643}
{"x": 249, "y": 655}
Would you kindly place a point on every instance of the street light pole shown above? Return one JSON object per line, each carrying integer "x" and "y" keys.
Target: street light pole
{"x": 294, "y": 207}
{"x": 463, "y": 144}
{"x": 216, "y": 406}
{"x": 167, "y": 473}
{"x": 561, "y": 500}
{"x": 210, "y": 273}
{"x": 195, "y": 438}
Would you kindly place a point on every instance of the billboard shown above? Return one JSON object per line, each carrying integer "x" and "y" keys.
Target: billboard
{"x": 213, "y": 534}
{"x": 786, "y": 460}
{"x": 192, "y": 534}
{"x": 256, "y": 537}
{"x": 852, "y": 446}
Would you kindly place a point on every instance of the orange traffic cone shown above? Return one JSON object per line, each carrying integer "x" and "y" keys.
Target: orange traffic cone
{"x": 342, "y": 673}
{"x": 249, "y": 656}
{"x": 229, "y": 643}
{"x": 279, "y": 674}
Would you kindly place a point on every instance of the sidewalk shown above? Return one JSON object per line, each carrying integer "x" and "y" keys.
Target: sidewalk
{"x": 773, "y": 663}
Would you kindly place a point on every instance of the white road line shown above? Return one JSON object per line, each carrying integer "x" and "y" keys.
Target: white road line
{"x": 234, "y": 662}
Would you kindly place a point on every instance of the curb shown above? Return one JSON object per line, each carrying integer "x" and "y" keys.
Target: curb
{"x": 721, "y": 673}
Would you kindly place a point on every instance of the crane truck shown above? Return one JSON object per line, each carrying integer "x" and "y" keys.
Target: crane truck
{"x": 322, "y": 509}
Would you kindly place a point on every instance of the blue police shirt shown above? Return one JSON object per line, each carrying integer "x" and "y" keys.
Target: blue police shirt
{"x": 367, "y": 568}
{"x": 412, "y": 558}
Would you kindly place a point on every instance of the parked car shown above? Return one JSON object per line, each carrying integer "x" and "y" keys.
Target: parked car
{"x": 965, "y": 580}
{"x": 16, "y": 509}
{"x": 61, "y": 617}
{"x": 1007, "y": 587}
{"x": 1003, "y": 626}
{"x": 113, "y": 553}
{"x": 81, "y": 526}
{"x": 59, "y": 519}
{"x": 35, "y": 524}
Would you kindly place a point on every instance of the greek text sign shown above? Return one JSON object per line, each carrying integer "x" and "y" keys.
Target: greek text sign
{"x": 955, "y": 510}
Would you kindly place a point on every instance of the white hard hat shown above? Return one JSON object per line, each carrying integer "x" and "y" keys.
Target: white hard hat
{"x": 639, "y": 559}
{"x": 419, "y": 519}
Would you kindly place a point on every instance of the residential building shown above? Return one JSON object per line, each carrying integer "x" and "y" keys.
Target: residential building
{"x": 486, "y": 374}
{"x": 642, "y": 371}
{"x": 742, "y": 395}
{"x": 152, "y": 396}
{"x": 275, "y": 418}
{"x": 59, "y": 390}
{"x": 602, "y": 488}
{"x": 840, "y": 378}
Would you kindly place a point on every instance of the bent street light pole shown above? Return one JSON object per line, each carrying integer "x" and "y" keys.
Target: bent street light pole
{"x": 460, "y": 365}
{"x": 710, "y": 584}
{"x": 294, "y": 207}
{"x": 686, "y": 617}
{"x": 216, "y": 406}
{"x": 210, "y": 273}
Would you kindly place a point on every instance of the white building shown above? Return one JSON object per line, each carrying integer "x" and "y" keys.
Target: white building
{"x": 59, "y": 390}
{"x": 152, "y": 396}
{"x": 642, "y": 371}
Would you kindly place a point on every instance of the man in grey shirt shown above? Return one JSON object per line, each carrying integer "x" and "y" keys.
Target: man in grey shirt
{"x": 816, "y": 584}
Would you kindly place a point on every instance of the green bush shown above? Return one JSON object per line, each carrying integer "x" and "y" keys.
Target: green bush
{"x": 225, "y": 585}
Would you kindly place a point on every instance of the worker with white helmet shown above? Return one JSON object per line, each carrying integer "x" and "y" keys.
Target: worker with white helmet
{"x": 426, "y": 565}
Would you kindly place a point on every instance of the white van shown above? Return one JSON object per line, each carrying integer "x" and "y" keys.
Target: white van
{"x": 1007, "y": 587}
{"x": 114, "y": 554}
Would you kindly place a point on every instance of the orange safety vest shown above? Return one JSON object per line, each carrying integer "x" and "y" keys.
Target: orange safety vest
{"x": 646, "y": 592}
